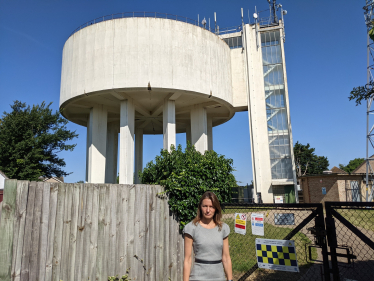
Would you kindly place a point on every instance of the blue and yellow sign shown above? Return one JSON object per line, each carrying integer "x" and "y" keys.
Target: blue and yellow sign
{"x": 276, "y": 254}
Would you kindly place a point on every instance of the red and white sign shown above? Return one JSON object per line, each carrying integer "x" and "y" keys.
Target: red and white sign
{"x": 257, "y": 223}
{"x": 240, "y": 223}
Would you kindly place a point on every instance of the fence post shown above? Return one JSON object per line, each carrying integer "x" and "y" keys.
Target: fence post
{"x": 320, "y": 225}
{"x": 6, "y": 229}
{"x": 332, "y": 242}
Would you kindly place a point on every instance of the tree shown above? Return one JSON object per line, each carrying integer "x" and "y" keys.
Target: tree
{"x": 187, "y": 175}
{"x": 30, "y": 139}
{"x": 307, "y": 163}
{"x": 352, "y": 165}
{"x": 361, "y": 93}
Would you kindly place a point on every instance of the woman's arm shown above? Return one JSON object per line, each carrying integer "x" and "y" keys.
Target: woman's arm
{"x": 226, "y": 259}
{"x": 187, "y": 257}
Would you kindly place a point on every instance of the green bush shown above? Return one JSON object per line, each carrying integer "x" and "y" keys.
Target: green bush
{"x": 187, "y": 175}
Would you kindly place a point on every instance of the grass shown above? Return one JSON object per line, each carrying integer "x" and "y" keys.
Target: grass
{"x": 242, "y": 247}
{"x": 357, "y": 217}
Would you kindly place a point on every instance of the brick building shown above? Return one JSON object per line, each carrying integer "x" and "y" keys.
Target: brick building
{"x": 335, "y": 185}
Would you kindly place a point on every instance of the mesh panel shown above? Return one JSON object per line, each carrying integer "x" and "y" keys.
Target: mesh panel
{"x": 278, "y": 223}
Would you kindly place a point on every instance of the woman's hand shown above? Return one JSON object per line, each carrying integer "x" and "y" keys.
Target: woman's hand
{"x": 226, "y": 259}
{"x": 187, "y": 257}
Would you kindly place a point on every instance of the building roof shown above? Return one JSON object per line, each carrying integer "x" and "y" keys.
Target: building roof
{"x": 362, "y": 168}
{"x": 4, "y": 175}
{"x": 337, "y": 170}
{"x": 52, "y": 179}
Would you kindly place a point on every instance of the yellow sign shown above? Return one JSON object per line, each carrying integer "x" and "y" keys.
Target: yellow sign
{"x": 240, "y": 222}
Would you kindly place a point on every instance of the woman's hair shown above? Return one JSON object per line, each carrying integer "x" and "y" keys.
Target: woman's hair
{"x": 217, "y": 206}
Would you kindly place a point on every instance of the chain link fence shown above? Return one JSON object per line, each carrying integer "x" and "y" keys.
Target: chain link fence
{"x": 281, "y": 221}
{"x": 354, "y": 240}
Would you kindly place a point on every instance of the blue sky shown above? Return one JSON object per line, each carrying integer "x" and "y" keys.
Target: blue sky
{"x": 325, "y": 53}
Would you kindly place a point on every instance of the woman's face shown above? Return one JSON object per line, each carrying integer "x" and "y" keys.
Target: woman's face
{"x": 207, "y": 209}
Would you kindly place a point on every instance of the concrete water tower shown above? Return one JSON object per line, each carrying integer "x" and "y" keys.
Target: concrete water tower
{"x": 133, "y": 74}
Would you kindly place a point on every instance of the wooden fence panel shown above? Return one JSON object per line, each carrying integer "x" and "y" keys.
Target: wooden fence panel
{"x": 43, "y": 235}
{"x": 121, "y": 229}
{"x": 130, "y": 230}
{"x": 100, "y": 260}
{"x": 57, "y": 244}
{"x": 6, "y": 229}
{"x": 73, "y": 230}
{"x": 66, "y": 233}
{"x": 150, "y": 238}
{"x": 34, "y": 262}
{"x": 112, "y": 230}
{"x": 19, "y": 228}
{"x": 94, "y": 232}
{"x": 80, "y": 234}
{"x": 89, "y": 232}
{"x": 51, "y": 229}
{"x": 26, "y": 251}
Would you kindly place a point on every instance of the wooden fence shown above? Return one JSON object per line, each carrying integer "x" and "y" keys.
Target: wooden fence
{"x": 59, "y": 231}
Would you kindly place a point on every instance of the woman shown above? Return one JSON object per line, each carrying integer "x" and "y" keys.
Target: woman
{"x": 208, "y": 236}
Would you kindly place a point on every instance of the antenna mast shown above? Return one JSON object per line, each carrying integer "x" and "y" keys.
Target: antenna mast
{"x": 369, "y": 17}
{"x": 273, "y": 10}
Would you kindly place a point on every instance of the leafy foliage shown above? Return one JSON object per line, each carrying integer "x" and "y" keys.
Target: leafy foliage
{"x": 307, "y": 163}
{"x": 187, "y": 175}
{"x": 362, "y": 93}
{"x": 30, "y": 139}
{"x": 352, "y": 165}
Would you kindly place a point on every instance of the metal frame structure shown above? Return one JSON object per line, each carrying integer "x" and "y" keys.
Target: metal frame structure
{"x": 369, "y": 17}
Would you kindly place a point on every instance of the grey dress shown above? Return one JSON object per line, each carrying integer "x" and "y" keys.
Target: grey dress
{"x": 207, "y": 246}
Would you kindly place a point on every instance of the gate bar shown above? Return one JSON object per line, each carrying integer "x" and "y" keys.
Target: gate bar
{"x": 332, "y": 242}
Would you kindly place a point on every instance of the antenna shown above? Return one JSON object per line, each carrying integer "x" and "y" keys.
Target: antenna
{"x": 273, "y": 10}
{"x": 215, "y": 22}
{"x": 255, "y": 16}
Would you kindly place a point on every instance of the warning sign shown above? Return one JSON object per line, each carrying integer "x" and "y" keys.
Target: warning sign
{"x": 240, "y": 223}
{"x": 276, "y": 254}
{"x": 257, "y": 223}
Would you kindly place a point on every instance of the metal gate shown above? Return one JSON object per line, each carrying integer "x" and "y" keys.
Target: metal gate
{"x": 350, "y": 234}
{"x": 297, "y": 222}
{"x": 332, "y": 244}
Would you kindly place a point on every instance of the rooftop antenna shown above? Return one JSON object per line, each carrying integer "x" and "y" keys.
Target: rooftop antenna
{"x": 215, "y": 22}
{"x": 283, "y": 12}
{"x": 273, "y": 10}
{"x": 255, "y": 16}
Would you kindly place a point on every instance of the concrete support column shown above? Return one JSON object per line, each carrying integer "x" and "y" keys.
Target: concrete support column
{"x": 169, "y": 124}
{"x": 210, "y": 133}
{"x": 96, "y": 140}
{"x": 111, "y": 153}
{"x": 126, "y": 146}
{"x": 199, "y": 128}
{"x": 188, "y": 133}
{"x": 138, "y": 153}
{"x": 88, "y": 141}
